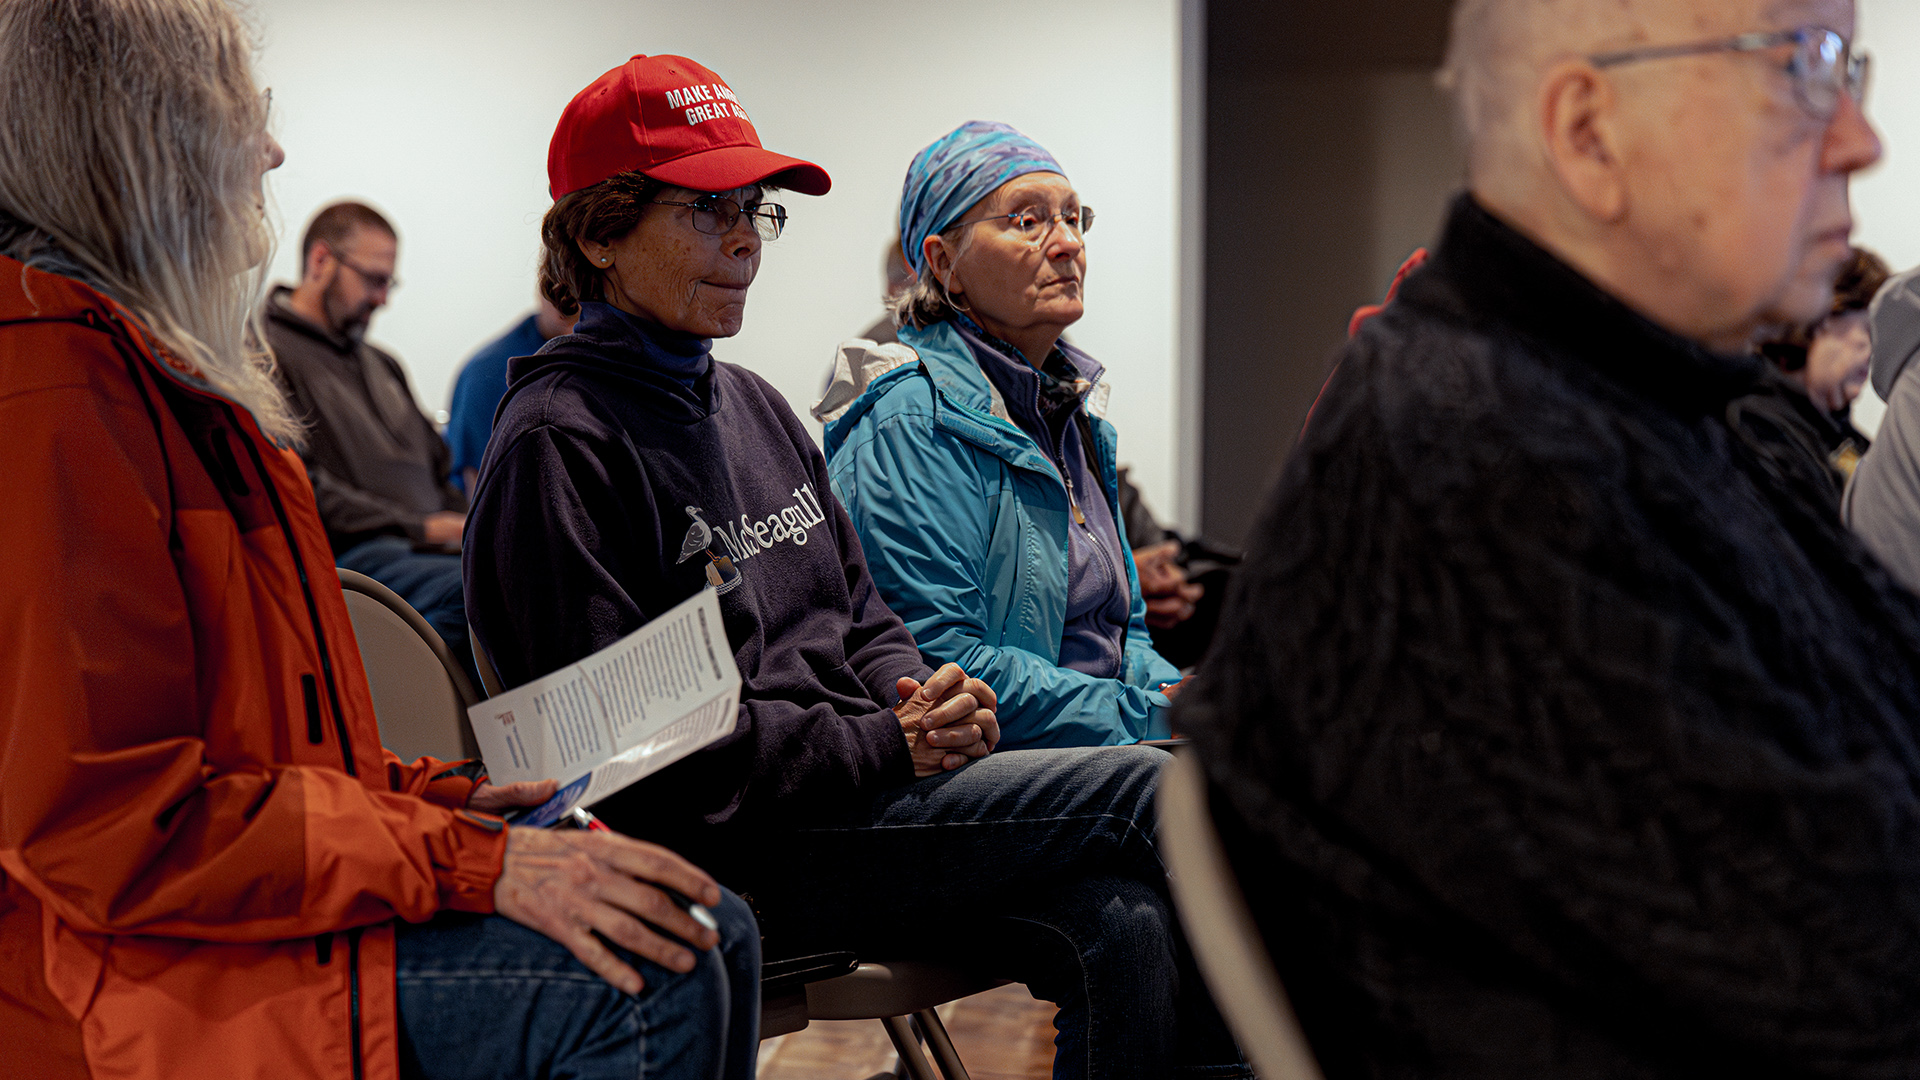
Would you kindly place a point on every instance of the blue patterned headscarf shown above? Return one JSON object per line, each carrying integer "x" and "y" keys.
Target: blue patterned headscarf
{"x": 958, "y": 170}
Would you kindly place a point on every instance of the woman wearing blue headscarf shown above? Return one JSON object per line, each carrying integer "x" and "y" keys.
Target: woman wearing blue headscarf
{"x": 974, "y": 461}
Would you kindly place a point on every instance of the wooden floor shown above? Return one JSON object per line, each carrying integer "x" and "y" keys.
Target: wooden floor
{"x": 1002, "y": 1034}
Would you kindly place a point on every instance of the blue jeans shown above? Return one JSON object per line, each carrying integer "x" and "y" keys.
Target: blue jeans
{"x": 427, "y": 580}
{"x": 482, "y": 997}
{"x": 1034, "y": 865}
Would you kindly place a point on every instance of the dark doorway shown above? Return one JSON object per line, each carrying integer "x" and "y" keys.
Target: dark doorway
{"x": 1329, "y": 157}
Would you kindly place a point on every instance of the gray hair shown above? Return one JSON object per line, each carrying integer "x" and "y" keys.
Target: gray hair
{"x": 1479, "y": 66}
{"x": 130, "y": 144}
{"x": 925, "y": 301}
{"x": 1496, "y": 53}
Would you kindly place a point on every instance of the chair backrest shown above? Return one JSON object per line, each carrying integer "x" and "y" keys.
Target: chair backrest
{"x": 483, "y": 663}
{"x": 420, "y": 694}
{"x": 1227, "y": 945}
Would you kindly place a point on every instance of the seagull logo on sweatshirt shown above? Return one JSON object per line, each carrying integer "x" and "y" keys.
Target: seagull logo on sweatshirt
{"x": 742, "y": 540}
{"x": 722, "y": 575}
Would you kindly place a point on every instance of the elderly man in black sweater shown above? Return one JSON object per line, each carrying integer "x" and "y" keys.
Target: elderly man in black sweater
{"x": 1557, "y": 733}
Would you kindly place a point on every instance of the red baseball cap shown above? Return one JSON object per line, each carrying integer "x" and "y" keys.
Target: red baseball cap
{"x": 673, "y": 120}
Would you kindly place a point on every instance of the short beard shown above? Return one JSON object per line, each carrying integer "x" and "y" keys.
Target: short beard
{"x": 337, "y": 320}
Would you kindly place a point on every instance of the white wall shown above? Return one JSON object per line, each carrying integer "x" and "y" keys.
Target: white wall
{"x": 439, "y": 113}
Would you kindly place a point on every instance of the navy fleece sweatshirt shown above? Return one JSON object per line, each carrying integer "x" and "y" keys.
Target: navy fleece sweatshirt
{"x": 626, "y": 472}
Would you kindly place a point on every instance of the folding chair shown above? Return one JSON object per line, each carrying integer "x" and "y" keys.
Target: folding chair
{"x": 890, "y": 992}
{"x": 795, "y": 991}
{"x": 1227, "y": 945}
{"x": 420, "y": 692}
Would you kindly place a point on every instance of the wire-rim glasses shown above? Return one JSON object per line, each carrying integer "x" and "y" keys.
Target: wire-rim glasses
{"x": 1823, "y": 65}
{"x": 716, "y": 215}
{"x": 1035, "y": 223}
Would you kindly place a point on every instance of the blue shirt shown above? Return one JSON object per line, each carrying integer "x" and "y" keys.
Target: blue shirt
{"x": 477, "y": 393}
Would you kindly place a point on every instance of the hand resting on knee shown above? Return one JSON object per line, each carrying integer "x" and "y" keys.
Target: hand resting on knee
{"x": 580, "y": 887}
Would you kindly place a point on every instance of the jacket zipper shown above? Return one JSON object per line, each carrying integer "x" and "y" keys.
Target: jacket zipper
{"x": 1088, "y": 451}
{"x": 306, "y": 591}
{"x": 1073, "y": 500}
{"x": 340, "y": 724}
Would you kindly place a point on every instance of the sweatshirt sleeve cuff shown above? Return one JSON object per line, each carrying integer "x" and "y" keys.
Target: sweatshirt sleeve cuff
{"x": 886, "y": 746}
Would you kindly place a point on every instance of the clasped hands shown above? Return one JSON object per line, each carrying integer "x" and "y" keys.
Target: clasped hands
{"x": 948, "y": 720}
{"x": 1170, "y": 597}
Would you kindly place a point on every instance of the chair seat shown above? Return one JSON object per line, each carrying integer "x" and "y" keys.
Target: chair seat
{"x": 892, "y": 988}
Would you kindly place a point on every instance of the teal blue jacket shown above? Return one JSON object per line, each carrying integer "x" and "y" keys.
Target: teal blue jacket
{"x": 964, "y": 521}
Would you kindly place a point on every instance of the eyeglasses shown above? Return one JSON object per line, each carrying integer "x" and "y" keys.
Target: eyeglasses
{"x": 1822, "y": 67}
{"x": 716, "y": 215}
{"x": 376, "y": 282}
{"x": 1035, "y": 223}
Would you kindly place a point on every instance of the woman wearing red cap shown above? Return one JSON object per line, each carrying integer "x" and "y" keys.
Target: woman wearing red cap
{"x": 858, "y": 800}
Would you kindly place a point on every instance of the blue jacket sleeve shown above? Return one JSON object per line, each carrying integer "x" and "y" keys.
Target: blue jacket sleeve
{"x": 916, "y": 497}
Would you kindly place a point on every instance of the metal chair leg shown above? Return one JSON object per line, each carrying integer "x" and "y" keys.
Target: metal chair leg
{"x": 904, "y": 1044}
{"x": 941, "y": 1045}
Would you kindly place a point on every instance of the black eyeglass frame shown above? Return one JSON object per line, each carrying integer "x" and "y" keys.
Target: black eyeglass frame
{"x": 376, "y": 282}
{"x": 769, "y": 219}
{"x": 1059, "y": 217}
{"x": 1850, "y": 69}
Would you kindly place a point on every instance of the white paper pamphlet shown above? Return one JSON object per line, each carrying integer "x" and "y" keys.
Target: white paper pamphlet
{"x": 631, "y": 709}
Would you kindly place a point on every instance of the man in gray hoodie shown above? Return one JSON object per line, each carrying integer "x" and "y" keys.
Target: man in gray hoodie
{"x": 1882, "y": 504}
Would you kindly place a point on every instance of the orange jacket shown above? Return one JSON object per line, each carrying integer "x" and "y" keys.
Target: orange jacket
{"x": 203, "y": 845}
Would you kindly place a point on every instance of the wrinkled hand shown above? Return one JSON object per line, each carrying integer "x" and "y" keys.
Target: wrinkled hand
{"x": 570, "y": 885}
{"x": 948, "y": 721}
{"x": 444, "y": 527}
{"x": 489, "y": 799}
{"x": 1163, "y": 584}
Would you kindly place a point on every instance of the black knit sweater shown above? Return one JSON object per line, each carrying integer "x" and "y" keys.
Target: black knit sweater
{"x": 1556, "y": 732}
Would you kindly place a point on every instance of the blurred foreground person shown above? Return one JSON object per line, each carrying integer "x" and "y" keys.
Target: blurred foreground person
{"x": 1883, "y": 502}
{"x": 210, "y": 868}
{"x": 1557, "y": 734}
{"x": 1813, "y": 374}
{"x": 859, "y": 799}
